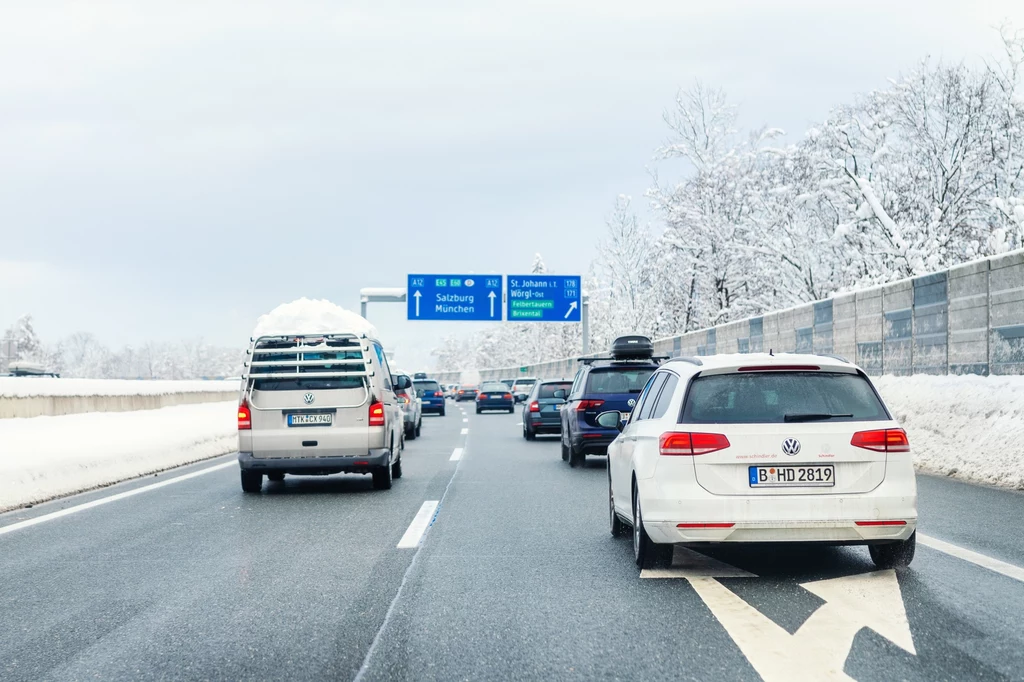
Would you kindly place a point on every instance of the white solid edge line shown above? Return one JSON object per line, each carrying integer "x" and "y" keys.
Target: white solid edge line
{"x": 419, "y": 525}
{"x": 464, "y": 432}
{"x": 1009, "y": 570}
{"x": 456, "y": 455}
{"x": 113, "y": 498}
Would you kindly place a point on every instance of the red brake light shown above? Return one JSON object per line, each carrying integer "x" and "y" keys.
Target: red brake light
{"x": 534, "y": 406}
{"x": 461, "y": 392}
{"x": 508, "y": 396}
{"x": 244, "y": 418}
{"x": 438, "y": 394}
{"x": 585, "y": 405}
{"x": 703, "y": 526}
{"x": 691, "y": 444}
{"x": 881, "y": 523}
{"x": 882, "y": 440}
{"x": 376, "y": 414}
{"x": 779, "y": 368}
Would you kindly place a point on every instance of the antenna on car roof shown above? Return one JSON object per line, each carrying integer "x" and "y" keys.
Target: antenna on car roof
{"x": 771, "y": 352}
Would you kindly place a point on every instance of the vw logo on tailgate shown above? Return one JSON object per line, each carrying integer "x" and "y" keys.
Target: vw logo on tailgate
{"x": 631, "y": 402}
{"x": 308, "y": 399}
{"x": 791, "y": 446}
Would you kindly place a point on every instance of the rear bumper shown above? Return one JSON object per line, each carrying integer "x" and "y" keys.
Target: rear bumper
{"x": 793, "y": 518}
{"x": 505, "y": 405}
{"x": 434, "y": 407}
{"x": 312, "y": 466}
{"x": 593, "y": 442}
{"x": 543, "y": 425}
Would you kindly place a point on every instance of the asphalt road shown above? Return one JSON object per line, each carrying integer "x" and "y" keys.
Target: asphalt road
{"x": 517, "y": 579}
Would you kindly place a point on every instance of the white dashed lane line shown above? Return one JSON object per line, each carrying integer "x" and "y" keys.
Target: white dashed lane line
{"x": 466, "y": 420}
{"x": 464, "y": 432}
{"x": 1009, "y": 570}
{"x": 419, "y": 525}
{"x": 456, "y": 455}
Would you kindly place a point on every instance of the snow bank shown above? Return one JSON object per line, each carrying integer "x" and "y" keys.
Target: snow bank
{"x": 46, "y": 457}
{"x": 305, "y": 316}
{"x": 29, "y": 387}
{"x": 969, "y": 427}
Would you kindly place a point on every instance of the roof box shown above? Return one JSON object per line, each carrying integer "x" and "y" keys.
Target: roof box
{"x": 632, "y": 347}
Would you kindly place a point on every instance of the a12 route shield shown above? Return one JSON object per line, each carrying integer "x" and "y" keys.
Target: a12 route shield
{"x": 455, "y": 297}
{"x": 543, "y": 298}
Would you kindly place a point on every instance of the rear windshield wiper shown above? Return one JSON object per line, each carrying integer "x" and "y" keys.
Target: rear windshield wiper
{"x": 813, "y": 416}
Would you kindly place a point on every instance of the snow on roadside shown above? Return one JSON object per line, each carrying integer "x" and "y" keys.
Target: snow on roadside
{"x": 24, "y": 387}
{"x": 970, "y": 427}
{"x": 46, "y": 457}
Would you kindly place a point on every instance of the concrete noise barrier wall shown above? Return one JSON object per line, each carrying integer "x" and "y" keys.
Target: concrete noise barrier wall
{"x": 57, "y": 405}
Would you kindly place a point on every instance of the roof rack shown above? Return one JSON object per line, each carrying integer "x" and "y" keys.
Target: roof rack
{"x": 289, "y": 359}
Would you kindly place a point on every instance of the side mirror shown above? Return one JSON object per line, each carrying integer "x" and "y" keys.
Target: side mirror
{"x": 401, "y": 383}
{"x": 559, "y": 394}
{"x": 611, "y": 420}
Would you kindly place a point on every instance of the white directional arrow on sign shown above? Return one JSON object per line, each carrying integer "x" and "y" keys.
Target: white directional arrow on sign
{"x": 816, "y": 651}
{"x": 491, "y": 296}
{"x": 572, "y": 307}
{"x": 417, "y": 296}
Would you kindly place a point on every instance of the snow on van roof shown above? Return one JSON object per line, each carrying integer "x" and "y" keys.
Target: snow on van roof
{"x": 317, "y": 316}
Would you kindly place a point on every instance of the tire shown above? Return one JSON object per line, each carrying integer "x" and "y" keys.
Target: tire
{"x": 419, "y": 427}
{"x": 479, "y": 411}
{"x": 576, "y": 458}
{"x": 382, "y": 477}
{"x": 618, "y": 528}
{"x": 252, "y": 481}
{"x": 396, "y": 469}
{"x": 512, "y": 410}
{"x": 275, "y": 476}
{"x": 442, "y": 411}
{"x": 894, "y": 554}
{"x": 529, "y": 434}
{"x": 410, "y": 432}
{"x": 565, "y": 452}
{"x": 647, "y": 553}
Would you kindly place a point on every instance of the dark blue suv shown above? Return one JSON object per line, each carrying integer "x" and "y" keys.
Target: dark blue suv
{"x": 431, "y": 394}
{"x": 602, "y": 385}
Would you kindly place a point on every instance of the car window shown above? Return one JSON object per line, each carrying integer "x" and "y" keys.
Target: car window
{"x": 665, "y": 396}
{"x": 548, "y": 390}
{"x": 648, "y": 397}
{"x": 494, "y": 387}
{"x": 427, "y": 386}
{"x": 618, "y": 379}
{"x": 767, "y": 397}
{"x": 384, "y": 366}
{"x": 577, "y": 384}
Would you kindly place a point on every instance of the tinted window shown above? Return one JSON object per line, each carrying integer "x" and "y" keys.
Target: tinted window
{"x": 494, "y": 387}
{"x": 767, "y": 397}
{"x": 618, "y": 379}
{"x": 665, "y": 397}
{"x": 307, "y": 384}
{"x": 427, "y": 386}
{"x": 646, "y": 405}
{"x": 548, "y": 390}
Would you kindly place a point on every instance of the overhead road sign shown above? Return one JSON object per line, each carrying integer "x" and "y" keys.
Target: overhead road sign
{"x": 455, "y": 297}
{"x": 543, "y": 298}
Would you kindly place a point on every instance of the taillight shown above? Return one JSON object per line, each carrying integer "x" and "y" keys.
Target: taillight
{"x": 438, "y": 394}
{"x": 691, "y": 444}
{"x": 461, "y": 392}
{"x": 376, "y": 414}
{"x": 405, "y": 401}
{"x": 244, "y": 417}
{"x": 534, "y": 406}
{"x": 481, "y": 396}
{"x": 882, "y": 440}
{"x": 508, "y": 396}
{"x": 584, "y": 405}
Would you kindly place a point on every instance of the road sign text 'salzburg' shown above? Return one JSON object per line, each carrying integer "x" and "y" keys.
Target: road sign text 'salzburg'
{"x": 455, "y": 297}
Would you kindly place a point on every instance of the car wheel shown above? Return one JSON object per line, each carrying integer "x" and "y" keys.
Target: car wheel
{"x": 576, "y": 458}
{"x": 276, "y": 476}
{"x": 442, "y": 411}
{"x": 396, "y": 469}
{"x": 894, "y": 554}
{"x": 419, "y": 427}
{"x": 512, "y": 410}
{"x": 382, "y": 477}
{"x": 617, "y": 526}
{"x": 529, "y": 433}
{"x": 565, "y": 452}
{"x": 646, "y": 553}
{"x": 478, "y": 410}
{"x": 252, "y": 481}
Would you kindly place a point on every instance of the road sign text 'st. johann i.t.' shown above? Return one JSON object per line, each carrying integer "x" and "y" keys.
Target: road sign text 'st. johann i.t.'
{"x": 543, "y": 298}
{"x": 455, "y": 297}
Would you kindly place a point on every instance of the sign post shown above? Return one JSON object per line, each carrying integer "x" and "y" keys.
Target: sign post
{"x": 455, "y": 297}
{"x": 543, "y": 298}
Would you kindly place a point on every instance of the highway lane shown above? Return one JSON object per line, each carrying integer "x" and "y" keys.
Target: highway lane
{"x": 518, "y": 578}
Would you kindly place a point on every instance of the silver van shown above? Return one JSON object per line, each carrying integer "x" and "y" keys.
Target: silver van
{"x": 319, "y": 404}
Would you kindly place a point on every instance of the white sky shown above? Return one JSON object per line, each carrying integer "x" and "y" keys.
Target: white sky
{"x": 175, "y": 169}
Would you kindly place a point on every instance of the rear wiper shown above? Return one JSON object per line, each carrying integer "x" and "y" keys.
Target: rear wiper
{"x": 812, "y": 416}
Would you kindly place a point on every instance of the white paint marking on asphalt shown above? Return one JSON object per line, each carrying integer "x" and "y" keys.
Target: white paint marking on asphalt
{"x": 419, "y": 525}
{"x": 113, "y": 498}
{"x": 464, "y": 432}
{"x": 1009, "y": 570}
{"x": 466, "y": 420}
{"x": 456, "y": 455}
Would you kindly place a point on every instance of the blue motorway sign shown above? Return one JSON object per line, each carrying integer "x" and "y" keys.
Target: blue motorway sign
{"x": 543, "y": 298}
{"x": 455, "y": 297}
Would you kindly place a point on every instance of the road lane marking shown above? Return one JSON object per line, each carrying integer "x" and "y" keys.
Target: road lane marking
{"x": 419, "y": 525}
{"x": 466, "y": 420}
{"x": 456, "y": 455}
{"x": 113, "y": 498}
{"x": 1001, "y": 567}
{"x": 464, "y": 432}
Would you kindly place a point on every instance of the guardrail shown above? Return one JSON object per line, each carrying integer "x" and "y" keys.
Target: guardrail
{"x": 968, "y": 319}
{"x": 39, "y": 397}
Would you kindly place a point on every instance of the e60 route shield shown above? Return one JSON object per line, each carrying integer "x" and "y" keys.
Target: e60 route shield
{"x": 543, "y": 298}
{"x": 455, "y": 297}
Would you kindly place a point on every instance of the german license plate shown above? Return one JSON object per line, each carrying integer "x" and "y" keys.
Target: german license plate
{"x": 325, "y": 419}
{"x": 793, "y": 476}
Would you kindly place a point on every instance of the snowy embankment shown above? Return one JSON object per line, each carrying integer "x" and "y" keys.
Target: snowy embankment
{"x": 47, "y": 457}
{"x": 970, "y": 427}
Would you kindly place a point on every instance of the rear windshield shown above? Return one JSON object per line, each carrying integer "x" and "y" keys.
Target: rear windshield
{"x": 494, "y": 386}
{"x": 427, "y": 386}
{"x": 525, "y": 382}
{"x": 768, "y": 397}
{"x": 548, "y": 390}
{"x": 618, "y": 379}
{"x": 307, "y": 384}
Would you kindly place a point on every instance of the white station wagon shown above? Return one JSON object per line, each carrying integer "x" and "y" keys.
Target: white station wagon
{"x": 762, "y": 448}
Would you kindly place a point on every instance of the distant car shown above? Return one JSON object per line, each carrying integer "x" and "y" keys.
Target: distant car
{"x": 29, "y": 369}
{"x": 542, "y": 410}
{"x": 602, "y": 384}
{"x": 522, "y": 387}
{"x": 494, "y": 395}
{"x": 508, "y": 382}
{"x": 466, "y": 392}
{"x": 431, "y": 396}
{"x": 412, "y": 409}
{"x": 762, "y": 448}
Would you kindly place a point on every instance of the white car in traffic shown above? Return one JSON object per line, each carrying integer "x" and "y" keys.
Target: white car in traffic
{"x": 762, "y": 448}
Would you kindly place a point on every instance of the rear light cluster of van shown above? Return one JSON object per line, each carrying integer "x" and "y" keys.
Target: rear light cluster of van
{"x": 244, "y": 417}
{"x": 376, "y": 413}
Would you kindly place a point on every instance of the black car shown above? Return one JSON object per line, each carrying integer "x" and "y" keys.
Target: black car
{"x": 494, "y": 395}
{"x": 601, "y": 385}
{"x": 542, "y": 410}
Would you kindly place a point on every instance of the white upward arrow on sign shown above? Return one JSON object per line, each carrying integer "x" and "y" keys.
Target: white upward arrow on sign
{"x": 491, "y": 296}
{"x": 417, "y": 296}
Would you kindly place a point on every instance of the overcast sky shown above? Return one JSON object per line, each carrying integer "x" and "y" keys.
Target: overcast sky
{"x": 173, "y": 169}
